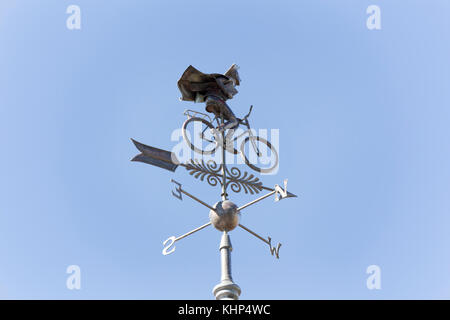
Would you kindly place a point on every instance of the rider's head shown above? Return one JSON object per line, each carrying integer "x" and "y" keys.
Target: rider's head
{"x": 233, "y": 74}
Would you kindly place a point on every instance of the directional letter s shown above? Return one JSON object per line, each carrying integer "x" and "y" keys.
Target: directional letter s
{"x": 172, "y": 240}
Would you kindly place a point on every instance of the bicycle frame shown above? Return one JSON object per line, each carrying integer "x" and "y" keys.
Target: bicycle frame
{"x": 246, "y": 123}
{"x": 218, "y": 119}
{"x": 188, "y": 112}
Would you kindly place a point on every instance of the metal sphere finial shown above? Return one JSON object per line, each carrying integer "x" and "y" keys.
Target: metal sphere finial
{"x": 225, "y": 216}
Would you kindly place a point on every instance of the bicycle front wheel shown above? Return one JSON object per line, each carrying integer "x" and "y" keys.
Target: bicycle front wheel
{"x": 259, "y": 154}
{"x": 197, "y": 134}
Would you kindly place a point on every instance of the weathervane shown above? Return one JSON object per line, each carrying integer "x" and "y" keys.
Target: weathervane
{"x": 204, "y": 138}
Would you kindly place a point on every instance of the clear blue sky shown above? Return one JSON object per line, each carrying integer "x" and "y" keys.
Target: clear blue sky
{"x": 364, "y": 129}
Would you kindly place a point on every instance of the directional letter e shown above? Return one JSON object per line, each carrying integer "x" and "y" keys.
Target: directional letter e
{"x": 374, "y": 280}
{"x": 74, "y": 280}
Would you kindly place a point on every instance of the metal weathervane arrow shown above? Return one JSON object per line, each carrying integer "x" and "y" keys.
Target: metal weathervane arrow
{"x": 223, "y": 215}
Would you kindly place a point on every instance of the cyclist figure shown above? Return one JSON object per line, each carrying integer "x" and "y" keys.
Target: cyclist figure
{"x": 213, "y": 89}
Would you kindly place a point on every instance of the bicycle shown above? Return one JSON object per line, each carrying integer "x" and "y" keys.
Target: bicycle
{"x": 215, "y": 140}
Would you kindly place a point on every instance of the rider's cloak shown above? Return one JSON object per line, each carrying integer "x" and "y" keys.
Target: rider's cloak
{"x": 196, "y": 85}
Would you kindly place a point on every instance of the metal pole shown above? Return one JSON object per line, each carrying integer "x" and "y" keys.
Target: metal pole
{"x": 224, "y": 167}
{"x": 226, "y": 289}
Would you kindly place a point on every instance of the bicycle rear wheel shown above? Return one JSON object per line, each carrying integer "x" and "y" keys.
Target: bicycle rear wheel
{"x": 197, "y": 134}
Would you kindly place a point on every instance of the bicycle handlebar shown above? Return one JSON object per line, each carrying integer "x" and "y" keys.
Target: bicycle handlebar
{"x": 248, "y": 114}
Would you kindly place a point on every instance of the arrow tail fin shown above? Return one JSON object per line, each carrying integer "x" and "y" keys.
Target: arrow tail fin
{"x": 156, "y": 157}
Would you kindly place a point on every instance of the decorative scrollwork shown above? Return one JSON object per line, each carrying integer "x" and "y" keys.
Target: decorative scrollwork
{"x": 239, "y": 181}
{"x": 213, "y": 174}
{"x": 200, "y": 170}
{"x": 213, "y": 166}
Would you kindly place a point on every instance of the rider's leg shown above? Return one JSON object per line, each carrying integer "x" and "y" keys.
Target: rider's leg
{"x": 214, "y": 104}
{"x": 231, "y": 124}
{"x": 227, "y": 113}
{"x": 220, "y": 108}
